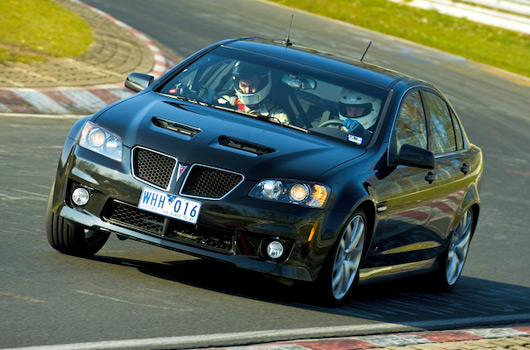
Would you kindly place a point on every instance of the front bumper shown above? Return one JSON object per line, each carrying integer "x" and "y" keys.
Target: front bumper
{"x": 233, "y": 230}
{"x": 253, "y": 263}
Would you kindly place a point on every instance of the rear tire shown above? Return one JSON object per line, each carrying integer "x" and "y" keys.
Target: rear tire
{"x": 73, "y": 240}
{"x": 341, "y": 269}
{"x": 453, "y": 259}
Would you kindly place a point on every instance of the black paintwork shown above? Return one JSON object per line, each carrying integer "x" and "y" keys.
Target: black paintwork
{"x": 416, "y": 211}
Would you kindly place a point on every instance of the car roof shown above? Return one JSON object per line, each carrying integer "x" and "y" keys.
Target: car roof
{"x": 369, "y": 73}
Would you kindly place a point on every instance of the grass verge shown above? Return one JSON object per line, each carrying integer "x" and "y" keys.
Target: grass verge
{"x": 482, "y": 43}
{"x": 35, "y": 30}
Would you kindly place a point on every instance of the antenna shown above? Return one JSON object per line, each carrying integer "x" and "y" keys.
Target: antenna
{"x": 287, "y": 41}
{"x": 366, "y": 50}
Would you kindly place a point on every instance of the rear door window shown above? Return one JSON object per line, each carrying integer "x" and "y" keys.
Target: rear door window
{"x": 443, "y": 138}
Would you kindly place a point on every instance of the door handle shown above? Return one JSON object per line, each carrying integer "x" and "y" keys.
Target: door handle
{"x": 430, "y": 177}
{"x": 465, "y": 169}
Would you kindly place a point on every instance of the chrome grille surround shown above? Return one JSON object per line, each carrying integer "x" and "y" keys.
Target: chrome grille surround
{"x": 208, "y": 182}
{"x": 152, "y": 167}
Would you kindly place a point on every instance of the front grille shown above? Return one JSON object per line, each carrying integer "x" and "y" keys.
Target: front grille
{"x": 207, "y": 182}
{"x": 129, "y": 216}
{"x": 132, "y": 217}
{"x": 153, "y": 167}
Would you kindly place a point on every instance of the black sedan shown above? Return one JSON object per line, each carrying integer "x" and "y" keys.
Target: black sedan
{"x": 295, "y": 163}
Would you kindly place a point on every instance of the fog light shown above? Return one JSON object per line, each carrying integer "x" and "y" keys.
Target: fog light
{"x": 80, "y": 196}
{"x": 275, "y": 250}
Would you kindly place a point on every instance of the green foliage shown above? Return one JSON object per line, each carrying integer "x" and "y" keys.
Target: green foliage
{"x": 37, "y": 29}
{"x": 482, "y": 43}
{"x": 32, "y": 30}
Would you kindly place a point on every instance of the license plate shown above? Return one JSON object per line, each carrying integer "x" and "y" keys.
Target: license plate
{"x": 169, "y": 205}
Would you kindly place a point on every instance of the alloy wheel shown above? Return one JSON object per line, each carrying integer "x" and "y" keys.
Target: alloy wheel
{"x": 348, "y": 256}
{"x": 459, "y": 247}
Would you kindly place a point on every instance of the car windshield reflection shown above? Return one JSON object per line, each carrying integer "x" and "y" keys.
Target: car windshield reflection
{"x": 300, "y": 97}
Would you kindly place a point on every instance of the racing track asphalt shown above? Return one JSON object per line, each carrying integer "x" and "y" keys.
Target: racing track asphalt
{"x": 75, "y": 88}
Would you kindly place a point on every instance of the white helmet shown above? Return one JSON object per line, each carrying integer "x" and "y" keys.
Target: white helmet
{"x": 248, "y": 71}
{"x": 367, "y": 107}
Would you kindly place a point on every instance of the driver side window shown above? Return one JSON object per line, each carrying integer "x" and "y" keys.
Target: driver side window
{"x": 410, "y": 126}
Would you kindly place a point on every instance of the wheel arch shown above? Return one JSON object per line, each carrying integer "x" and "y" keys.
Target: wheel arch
{"x": 368, "y": 207}
{"x": 471, "y": 201}
{"x": 475, "y": 208}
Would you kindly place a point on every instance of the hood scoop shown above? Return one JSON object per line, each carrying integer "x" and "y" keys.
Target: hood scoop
{"x": 245, "y": 146}
{"x": 183, "y": 129}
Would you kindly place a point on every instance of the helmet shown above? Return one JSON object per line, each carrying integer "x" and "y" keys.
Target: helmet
{"x": 365, "y": 107}
{"x": 244, "y": 71}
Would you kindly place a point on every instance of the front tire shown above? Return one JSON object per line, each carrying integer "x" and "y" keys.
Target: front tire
{"x": 341, "y": 270}
{"x": 73, "y": 240}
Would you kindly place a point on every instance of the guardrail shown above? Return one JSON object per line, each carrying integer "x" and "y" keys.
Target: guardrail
{"x": 521, "y": 7}
{"x": 509, "y": 14}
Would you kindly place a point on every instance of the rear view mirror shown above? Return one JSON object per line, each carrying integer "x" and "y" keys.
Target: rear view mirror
{"x": 299, "y": 82}
{"x": 414, "y": 156}
{"x": 138, "y": 81}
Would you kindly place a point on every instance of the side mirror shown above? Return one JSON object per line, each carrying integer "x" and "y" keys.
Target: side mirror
{"x": 138, "y": 81}
{"x": 414, "y": 156}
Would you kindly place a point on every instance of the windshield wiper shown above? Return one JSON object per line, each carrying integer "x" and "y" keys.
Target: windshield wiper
{"x": 188, "y": 99}
{"x": 233, "y": 110}
{"x": 247, "y": 114}
{"x": 259, "y": 117}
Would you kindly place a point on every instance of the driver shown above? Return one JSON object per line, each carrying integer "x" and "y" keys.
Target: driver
{"x": 358, "y": 112}
{"x": 252, "y": 85}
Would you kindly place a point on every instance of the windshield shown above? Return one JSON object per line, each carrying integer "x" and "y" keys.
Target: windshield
{"x": 281, "y": 92}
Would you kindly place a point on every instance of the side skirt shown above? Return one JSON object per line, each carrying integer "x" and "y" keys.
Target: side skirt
{"x": 375, "y": 273}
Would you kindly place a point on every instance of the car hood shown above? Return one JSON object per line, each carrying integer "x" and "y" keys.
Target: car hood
{"x": 199, "y": 134}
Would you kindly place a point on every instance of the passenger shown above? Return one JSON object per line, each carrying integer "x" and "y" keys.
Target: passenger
{"x": 252, "y": 85}
{"x": 359, "y": 113}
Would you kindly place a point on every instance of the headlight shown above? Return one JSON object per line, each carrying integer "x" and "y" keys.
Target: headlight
{"x": 102, "y": 141}
{"x": 289, "y": 191}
